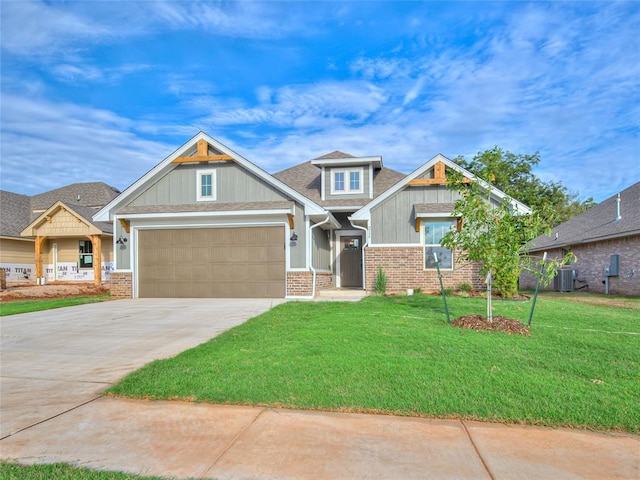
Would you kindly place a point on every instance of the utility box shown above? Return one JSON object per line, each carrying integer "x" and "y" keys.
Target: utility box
{"x": 563, "y": 281}
{"x": 614, "y": 265}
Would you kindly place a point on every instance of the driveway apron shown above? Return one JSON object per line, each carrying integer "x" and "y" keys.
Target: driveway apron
{"x": 56, "y": 360}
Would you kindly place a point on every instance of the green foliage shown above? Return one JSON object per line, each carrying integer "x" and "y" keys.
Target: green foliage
{"x": 61, "y": 471}
{"x": 465, "y": 287}
{"x": 512, "y": 173}
{"x": 25, "y": 306}
{"x": 381, "y": 282}
{"x": 494, "y": 235}
{"x": 396, "y": 354}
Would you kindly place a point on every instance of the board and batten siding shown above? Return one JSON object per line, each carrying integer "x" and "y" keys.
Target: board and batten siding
{"x": 297, "y": 250}
{"x": 233, "y": 184}
{"x": 343, "y": 196}
{"x": 122, "y": 252}
{"x": 321, "y": 249}
{"x": 393, "y": 221}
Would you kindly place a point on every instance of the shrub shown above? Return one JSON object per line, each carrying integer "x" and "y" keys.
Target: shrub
{"x": 381, "y": 282}
{"x": 465, "y": 287}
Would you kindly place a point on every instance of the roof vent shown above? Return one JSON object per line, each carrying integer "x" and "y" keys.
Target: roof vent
{"x": 618, "y": 217}
{"x": 78, "y": 199}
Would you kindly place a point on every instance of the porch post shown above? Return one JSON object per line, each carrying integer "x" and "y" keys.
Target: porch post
{"x": 38, "y": 252}
{"x": 96, "y": 244}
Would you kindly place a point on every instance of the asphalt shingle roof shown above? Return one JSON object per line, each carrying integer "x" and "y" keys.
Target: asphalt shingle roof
{"x": 15, "y": 213}
{"x": 91, "y": 194}
{"x": 597, "y": 223}
{"x": 17, "y": 210}
{"x": 305, "y": 179}
{"x": 205, "y": 207}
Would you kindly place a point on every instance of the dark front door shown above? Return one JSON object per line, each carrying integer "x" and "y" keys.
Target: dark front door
{"x": 351, "y": 261}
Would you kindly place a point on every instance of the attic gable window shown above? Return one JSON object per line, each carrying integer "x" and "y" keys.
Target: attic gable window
{"x": 346, "y": 181}
{"x": 206, "y": 185}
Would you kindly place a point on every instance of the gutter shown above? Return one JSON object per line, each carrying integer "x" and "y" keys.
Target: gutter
{"x": 313, "y": 270}
{"x": 364, "y": 245}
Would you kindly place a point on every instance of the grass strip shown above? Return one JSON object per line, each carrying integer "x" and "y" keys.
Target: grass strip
{"x": 397, "y": 355}
{"x": 26, "y": 306}
{"x": 60, "y": 471}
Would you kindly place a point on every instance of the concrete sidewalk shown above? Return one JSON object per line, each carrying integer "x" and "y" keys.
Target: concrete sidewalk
{"x": 230, "y": 442}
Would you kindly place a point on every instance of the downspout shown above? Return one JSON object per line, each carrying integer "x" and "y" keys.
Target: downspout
{"x": 364, "y": 245}
{"x": 313, "y": 270}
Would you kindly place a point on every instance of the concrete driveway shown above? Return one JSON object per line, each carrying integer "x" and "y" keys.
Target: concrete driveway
{"x": 56, "y": 360}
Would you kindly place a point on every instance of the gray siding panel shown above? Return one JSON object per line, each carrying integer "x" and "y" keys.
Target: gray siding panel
{"x": 233, "y": 183}
{"x": 393, "y": 222}
{"x": 298, "y": 258}
{"x": 364, "y": 180}
{"x": 321, "y": 248}
{"x": 122, "y": 253}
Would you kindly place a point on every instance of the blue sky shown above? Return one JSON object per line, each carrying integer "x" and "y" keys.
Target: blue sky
{"x": 103, "y": 91}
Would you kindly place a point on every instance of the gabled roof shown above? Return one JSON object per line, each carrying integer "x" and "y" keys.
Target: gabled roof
{"x": 306, "y": 179}
{"x": 598, "y": 223}
{"x": 365, "y": 212}
{"x": 19, "y": 210}
{"x": 83, "y": 214}
{"x": 166, "y": 165}
{"x": 90, "y": 194}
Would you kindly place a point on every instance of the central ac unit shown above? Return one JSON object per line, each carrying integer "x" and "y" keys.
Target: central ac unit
{"x": 563, "y": 281}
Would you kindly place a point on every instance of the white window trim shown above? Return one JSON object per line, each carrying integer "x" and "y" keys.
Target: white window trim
{"x": 214, "y": 185}
{"x": 424, "y": 245}
{"x": 347, "y": 181}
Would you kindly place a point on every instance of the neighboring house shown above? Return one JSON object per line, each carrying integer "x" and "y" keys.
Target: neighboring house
{"x": 206, "y": 222}
{"x": 606, "y": 241}
{"x": 52, "y": 235}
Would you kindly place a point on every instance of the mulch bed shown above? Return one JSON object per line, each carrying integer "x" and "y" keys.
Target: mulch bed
{"x": 499, "y": 324}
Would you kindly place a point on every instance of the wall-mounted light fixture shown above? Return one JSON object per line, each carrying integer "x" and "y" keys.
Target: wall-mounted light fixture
{"x": 294, "y": 237}
{"x": 121, "y": 240}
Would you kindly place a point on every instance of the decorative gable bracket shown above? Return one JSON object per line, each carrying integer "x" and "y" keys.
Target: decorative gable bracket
{"x": 439, "y": 177}
{"x": 202, "y": 155}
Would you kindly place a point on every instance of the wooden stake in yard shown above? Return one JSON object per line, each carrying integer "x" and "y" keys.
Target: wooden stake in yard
{"x": 535, "y": 296}
{"x": 444, "y": 296}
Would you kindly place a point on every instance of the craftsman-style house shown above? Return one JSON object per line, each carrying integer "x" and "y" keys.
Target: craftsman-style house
{"x": 206, "y": 222}
{"x": 52, "y": 237}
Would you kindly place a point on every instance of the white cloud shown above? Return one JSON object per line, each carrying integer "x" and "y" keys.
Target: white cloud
{"x": 69, "y": 143}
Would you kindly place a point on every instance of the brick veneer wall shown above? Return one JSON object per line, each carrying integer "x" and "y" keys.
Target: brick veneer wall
{"x": 300, "y": 284}
{"x": 121, "y": 284}
{"x": 403, "y": 267}
{"x": 592, "y": 260}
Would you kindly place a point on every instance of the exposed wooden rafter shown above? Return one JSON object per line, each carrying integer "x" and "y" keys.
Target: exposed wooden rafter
{"x": 202, "y": 155}
{"x": 418, "y": 224}
{"x": 290, "y": 217}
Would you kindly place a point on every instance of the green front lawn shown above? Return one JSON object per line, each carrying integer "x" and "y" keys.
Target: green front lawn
{"x": 580, "y": 367}
{"x": 60, "y": 471}
{"x": 26, "y": 306}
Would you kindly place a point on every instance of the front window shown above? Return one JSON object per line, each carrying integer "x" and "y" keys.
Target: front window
{"x": 434, "y": 231}
{"x": 86, "y": 254}
{"x": 206, "y": 186}
{"x": 347, "y": 181}
{"x": 354, "y": 180}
